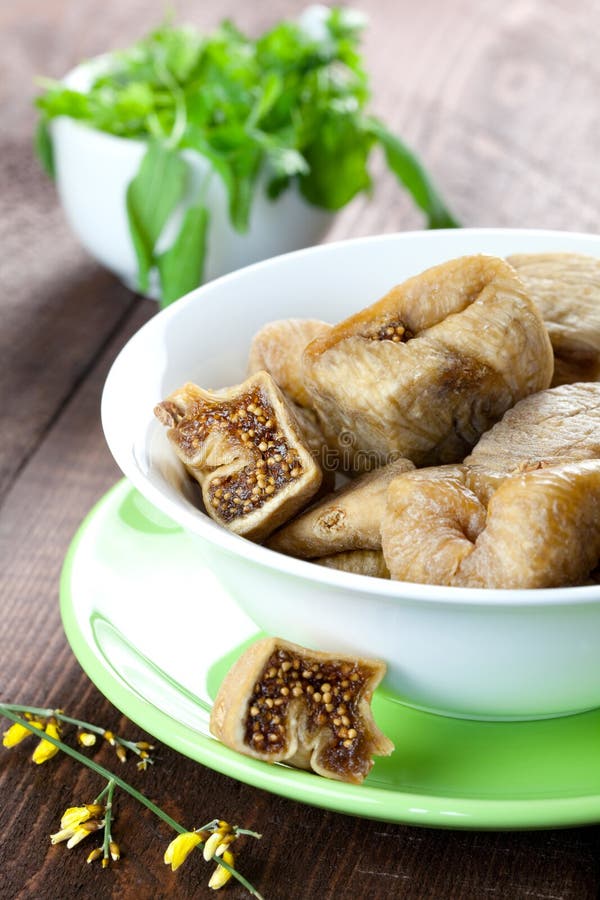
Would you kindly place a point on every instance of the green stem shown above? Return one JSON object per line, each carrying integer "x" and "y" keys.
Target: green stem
{"x": 133, "y": 748}
{"x": 107, "y": 823}
{"x": 85, "y": 726}
{"x": 180, "y": 121}
{"x": 102, "y": 793}
{"x": 36, "y": 710}
{"x": 247, "y": 831}
{"x": 7, "y": 710}
{"x": 46, "y": 713}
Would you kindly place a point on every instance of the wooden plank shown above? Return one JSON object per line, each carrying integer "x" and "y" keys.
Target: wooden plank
{"x": 59, "y": 309}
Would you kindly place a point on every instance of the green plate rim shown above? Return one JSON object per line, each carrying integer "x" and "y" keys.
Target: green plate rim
{"x": 425, "y": 810}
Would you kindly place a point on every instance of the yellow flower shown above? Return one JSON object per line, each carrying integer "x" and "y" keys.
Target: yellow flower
{"x": 210, "y": 847}
{"x": 180, "y": 848}
{"x": 221, "y": 875}
{"x": 63, "y": 835}
{"x": 115, "y": 851}
{"x": 82, "y": 831}
{"x": 74, "y": 833}
{"x": 86, "y": 739}
{"x": 94, "y": 855}
{"x": 45, "y": 750}
{"x": 219, "y": 841}
{"x": 15, "y": 734}
{"x": 75, "y": 815}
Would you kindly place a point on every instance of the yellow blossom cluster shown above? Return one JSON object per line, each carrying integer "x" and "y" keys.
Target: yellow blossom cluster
{"x": 216, "y": 844}
{"x": 45, "y": 750}
{"x": 78, "y": 822}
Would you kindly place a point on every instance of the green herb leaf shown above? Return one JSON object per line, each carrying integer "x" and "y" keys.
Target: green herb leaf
{"x": 338, "y": 164}
{"x": 413, "y": 176}
{"x": 271, "y": 90}
{"x": 59, "y": 100}
{"x": 237, "y": 163}
{"x": 244, "y": 168}
{"x": 290, "y": 106}
{"x": 43, "y": 147}
{"x": 181, "y": 267}
{"x": 151, "y": 198}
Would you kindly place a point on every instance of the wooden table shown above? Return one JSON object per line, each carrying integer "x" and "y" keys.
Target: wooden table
{"x": 500, "y": 100}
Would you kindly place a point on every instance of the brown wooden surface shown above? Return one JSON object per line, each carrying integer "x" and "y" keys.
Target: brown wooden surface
{"x": 500, "y": 100}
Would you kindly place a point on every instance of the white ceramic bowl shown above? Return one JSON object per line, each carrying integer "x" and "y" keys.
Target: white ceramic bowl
{"x": 466, "y": 652}
{"x": 94, "y": 169}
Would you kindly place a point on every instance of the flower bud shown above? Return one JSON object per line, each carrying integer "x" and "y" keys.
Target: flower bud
{"x": 222, "y": 875}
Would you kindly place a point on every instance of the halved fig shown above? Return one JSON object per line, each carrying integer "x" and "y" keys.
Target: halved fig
{"x": 284, "y": 703}
{"x": 427, "y": 369}
{"x": 245, "y": 448}
{"x": 359, "y": 562}
{"x": 277, "y": 349}
{"x": 566, "y": 289}
{"x": 349, "y": 519}
{"x": 539, "y": 529}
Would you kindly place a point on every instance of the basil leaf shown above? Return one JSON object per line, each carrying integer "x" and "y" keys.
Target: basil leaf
{"x": 59, "y": 100}
{"x": 237, "y": 159}
{"x": 413, "y": 176}
{"x": 244, "y": 168}
{"x": 338, "y": 164}
{"x": 43, "y": 147}
{"x": 276, "y": 187}
{"x": 271, "y": 90}
{"x": 181, "y": 267}
{"x": 151, "y": 198}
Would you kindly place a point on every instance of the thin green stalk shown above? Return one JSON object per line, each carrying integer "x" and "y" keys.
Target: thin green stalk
{"x": 247, "y": 831}
{"x": 102, "y": 792}
{"x": 7, "y": 710}
{"x": 107, "y": 822}
{"x": 85, "y": 726}
{"x": 36, "y": 710}
{"x": 180, "y": 122}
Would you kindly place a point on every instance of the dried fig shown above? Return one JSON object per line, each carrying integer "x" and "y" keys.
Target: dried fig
{"x": 566, "y": 289}
{"x": 349, "y": 519}
{"x": 359, "y": 562}
{"x": 561, "y": 423}
{"x": 245, "y": 448}
{"x": 283, "y": 703}
{"x": 277, "y": 349}
{"x": 424, "y": 371}
{"x": 540, "y": 528}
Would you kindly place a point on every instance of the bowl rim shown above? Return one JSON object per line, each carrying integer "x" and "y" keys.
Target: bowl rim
{"x": 196, "y": 522}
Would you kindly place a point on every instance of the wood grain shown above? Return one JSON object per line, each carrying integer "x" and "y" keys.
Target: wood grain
{"x": 500, "y": 101}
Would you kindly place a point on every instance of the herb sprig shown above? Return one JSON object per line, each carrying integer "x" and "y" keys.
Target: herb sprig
{"x": 290, "y": 106}
{"x": 214, "y": 840}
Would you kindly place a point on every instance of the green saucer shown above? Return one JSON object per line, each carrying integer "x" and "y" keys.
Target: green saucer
{"x": 156, "y": 633}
